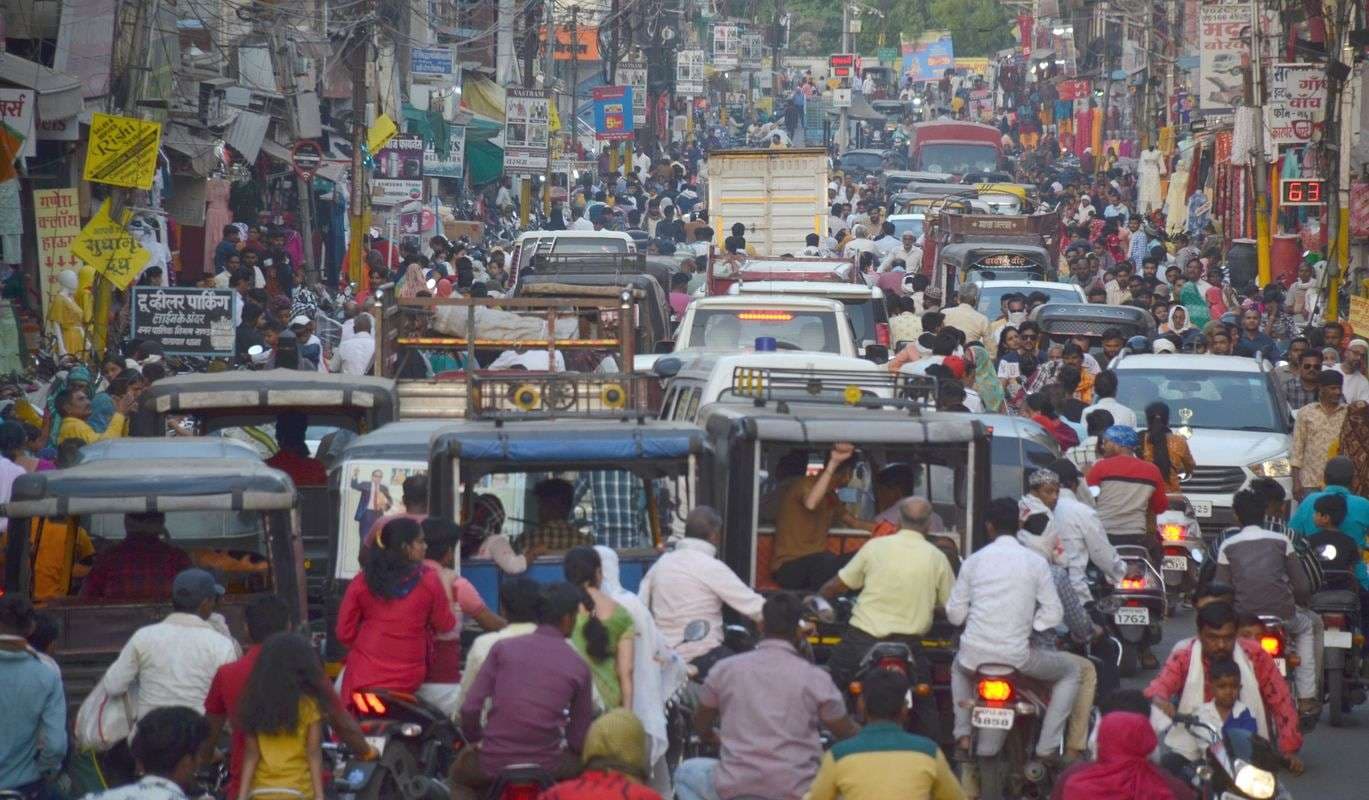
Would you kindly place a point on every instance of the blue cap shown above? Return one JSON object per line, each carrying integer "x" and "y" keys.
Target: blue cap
{"x": 193, "y": 586}
{"x": 1122, "y": 436}
{"x": 766, "y": 344}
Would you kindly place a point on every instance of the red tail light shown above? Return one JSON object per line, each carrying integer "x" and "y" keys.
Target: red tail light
{"x": 1173, "y": 531}
{"x": 995, "y": 690}
{"x": 896, "y": 664}
{"x": 368, "y": 703}
{"x": 521, "y": 791}
{"x": 1334, "y": 620}
{"x": 882, "y": 333}
{"x": 1272, "y": 645}
{"x": 1133, "y": 583}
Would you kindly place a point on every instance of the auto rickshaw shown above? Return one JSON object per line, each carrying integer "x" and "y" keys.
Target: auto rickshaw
{"x": 758, "y": 449}
{"x": 233, "y": 516}
{"x": 509, "y": 459}
{"x": 244, "y": 405}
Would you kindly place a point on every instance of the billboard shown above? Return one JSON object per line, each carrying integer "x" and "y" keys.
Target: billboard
{"x": 399, "y": 171}
{"x": 527, "y": 128}
{"x": 928, "y": 58}
{"x": 613, "y": 113}
{"x": 1224, "y": 32}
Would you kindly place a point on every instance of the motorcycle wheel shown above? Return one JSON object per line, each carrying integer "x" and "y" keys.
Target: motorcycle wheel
{"x": 395, "y": 772}
{"x": 994, "y": 772}
{"x": 1335, "y": 697}
{"x": 1131, "y": 659}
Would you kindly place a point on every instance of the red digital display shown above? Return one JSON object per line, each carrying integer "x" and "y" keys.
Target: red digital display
{"x": 1301, "y": 192}
{"x": 841, "y": 64}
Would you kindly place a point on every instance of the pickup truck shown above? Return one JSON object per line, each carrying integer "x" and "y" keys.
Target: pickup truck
{"x": 734, "y": 323}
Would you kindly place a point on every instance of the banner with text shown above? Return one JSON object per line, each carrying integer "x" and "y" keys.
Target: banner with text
{"x": 928, "y": 58}
{"x": 726, "y": 47}
{"x": 57, "y": 219}
{"x": 633, "y": 73}
{"x": 1297, "y": 102}
{"x": 613, "y": 113}
{"x": 689, "y": 73}
{"x": 105, "y": 244}
{"x": 527, "y": 131}
{"x": 451, "y": 164}
{"x": 18, "y": 110}
{"x": 398, "y": 177}
{"x": 1224, "y": 37}
{"x": 185, "y": 320}
{"x": 122, "y": 151}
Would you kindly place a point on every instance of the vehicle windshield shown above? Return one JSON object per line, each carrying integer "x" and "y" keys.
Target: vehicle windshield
{"x": 737, "y": 329}
{"x": 957, "y": 158}
{"x": 913, "y": 225}
{"x": 563, "y": 245}
{"x": 862, "y": 316}
{"x": 991, "y": 297}
{"x": 1239, "y": 401}
{"x": 862, "y": 161}
{"x": 1013, "y": 459}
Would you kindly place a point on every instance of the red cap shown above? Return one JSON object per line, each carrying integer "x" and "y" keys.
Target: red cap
{"x": 955, "y": 364}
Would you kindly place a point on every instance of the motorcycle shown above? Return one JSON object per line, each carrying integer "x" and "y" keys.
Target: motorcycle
{"x": 1134, "y": 608}
{"x": 417, "y": 743}
{"x": 1237, "y": 764}
{"x": 681, "y": 740}
{"x": 1339, "y": 608}
{"x": 1184, "y": 551}
{"x": 1006, "y": 723}
{"x": 899, "y": 657}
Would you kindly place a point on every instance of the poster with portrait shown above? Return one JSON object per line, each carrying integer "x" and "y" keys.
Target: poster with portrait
{"x": 1224, "y": 40}
{"x": 369, "y": 490}
{"x": 689, "y": 73}
{"x": 527, "y": 130}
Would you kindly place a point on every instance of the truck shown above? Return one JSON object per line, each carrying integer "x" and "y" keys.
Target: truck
{"x": 955, "y": 147}
{"x": 779, "y": 195}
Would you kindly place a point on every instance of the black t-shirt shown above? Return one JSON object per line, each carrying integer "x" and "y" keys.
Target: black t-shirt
{"x": 1073, "y": 409}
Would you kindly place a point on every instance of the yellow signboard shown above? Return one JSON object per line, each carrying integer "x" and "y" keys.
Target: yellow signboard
{"x": 380, "y": 132}
{"x": 122, "y": 151}
{"x": 1359, "y": 315}
{"x": 106, "y": 246}
{"x": 57, "y": 221}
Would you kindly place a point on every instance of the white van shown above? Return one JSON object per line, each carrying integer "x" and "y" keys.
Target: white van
{"x": 696, "y": 378}
{"x": 567, "y": 242}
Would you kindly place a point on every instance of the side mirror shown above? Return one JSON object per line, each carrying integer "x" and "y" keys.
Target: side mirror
{"x": 817, "y": 607}
{"x": 667, "y": 367}
{"x": 696, "y": 630}
{"x": 876, "y": 353}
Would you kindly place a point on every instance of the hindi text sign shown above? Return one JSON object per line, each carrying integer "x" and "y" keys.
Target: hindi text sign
{"x": 186, "y": 320}
{"x": 57, "y": 220}
{"x": 1297, "y": 102}
{"x": 1224, "y": 38}
{"x": 105, "y": 245}
{"x": 122, "y": 151}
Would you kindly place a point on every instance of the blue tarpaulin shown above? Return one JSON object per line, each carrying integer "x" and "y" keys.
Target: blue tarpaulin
{"x": 627, "y": 445}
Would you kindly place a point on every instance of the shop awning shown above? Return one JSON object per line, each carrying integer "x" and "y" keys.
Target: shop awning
{"x": 59, "y": 94}
{"x": 483, "y": 96}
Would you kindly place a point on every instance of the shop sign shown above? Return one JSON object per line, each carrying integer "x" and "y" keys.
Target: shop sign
{"x": 185, "y": 320}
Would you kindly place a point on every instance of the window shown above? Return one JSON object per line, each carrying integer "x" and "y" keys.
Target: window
{"x": 958, "y": 158}
{"x": 738, "y": 329}
{"x": 1242, "y": 401}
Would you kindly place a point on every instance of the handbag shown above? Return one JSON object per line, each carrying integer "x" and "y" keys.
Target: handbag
{"x": 104, "y": 720}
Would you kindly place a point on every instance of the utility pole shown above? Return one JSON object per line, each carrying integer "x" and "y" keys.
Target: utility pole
{"x": 1339, "y": 132}
{"x": 843, "y": 118}
{"x": 303, "y": 186}
{"x": 360, "y": 203}
{"x": 1262, "y": 239}
{"x": 549, "y": 84}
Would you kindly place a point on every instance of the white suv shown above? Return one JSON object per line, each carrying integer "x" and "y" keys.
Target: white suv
{"x": 1236, "y": 420}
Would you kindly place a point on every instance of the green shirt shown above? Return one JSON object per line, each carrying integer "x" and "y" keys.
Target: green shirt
{"x": 605, "y": 672}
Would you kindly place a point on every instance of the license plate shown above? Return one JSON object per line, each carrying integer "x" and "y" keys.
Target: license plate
{"x": 1282, "y": 665}
{"x": 377, "y": 742}
{"x": 1202, "y": 508}
{"x": 995, "y": 718}
{"x": 1176, "y": 563}
{"x": 1342, "y": 639}
{"x": 1132, "y": 616}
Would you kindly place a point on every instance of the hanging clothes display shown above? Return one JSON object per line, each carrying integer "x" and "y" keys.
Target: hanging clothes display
{"x": 1149, "y": 169}
{"x": 216, "y": 216}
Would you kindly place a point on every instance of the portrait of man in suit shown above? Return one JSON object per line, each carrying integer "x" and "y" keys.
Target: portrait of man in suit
{"x": 375, "y": 500}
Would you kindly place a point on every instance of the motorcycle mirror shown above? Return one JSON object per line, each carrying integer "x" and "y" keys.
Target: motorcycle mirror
{"x": 819, "y": 608}
{"x": 696, "y": 630}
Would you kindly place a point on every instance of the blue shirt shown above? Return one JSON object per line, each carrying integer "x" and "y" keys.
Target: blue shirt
{"x": 1355, "y": 525}
{"x": 1250, "y": 346}
{"x": 35, "y": 707}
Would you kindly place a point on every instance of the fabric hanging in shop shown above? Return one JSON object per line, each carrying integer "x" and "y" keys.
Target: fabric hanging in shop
{"x": 484, "y": 162}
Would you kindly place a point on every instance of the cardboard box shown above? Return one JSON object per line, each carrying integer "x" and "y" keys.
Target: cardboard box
{"x": 455, "y": 229}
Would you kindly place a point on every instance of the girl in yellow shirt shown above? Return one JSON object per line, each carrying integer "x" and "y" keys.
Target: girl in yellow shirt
{"x": 281, "y": 712}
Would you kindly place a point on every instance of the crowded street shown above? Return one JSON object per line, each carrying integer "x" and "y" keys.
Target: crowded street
{"x": 684, "y": 399}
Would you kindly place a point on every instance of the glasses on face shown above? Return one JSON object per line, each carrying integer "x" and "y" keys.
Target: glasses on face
{"x": 1031, "y": 336}
{"x": 1310, "y": 365}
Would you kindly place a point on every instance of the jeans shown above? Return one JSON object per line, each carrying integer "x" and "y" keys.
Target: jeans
{"x": 1055, "y": 668}
{"x": 1306, "y": 631}
{"x": 694, "y": 779}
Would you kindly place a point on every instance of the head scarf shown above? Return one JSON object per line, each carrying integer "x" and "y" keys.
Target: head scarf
{"x": 617, "y": 741}
{"x": 412, "y": 283}
{"x": 77, "y": 374}
{"x": 1042, "y": 477}
{"x": 444, "y": 288}
{"x": 1198, "y": 314}
{"x": 657, "y": 672}
{"x": 1122, "y": 436}
{"x": 1123, "y": 769}
{"x": 1188, "y": 322}
{"x": 986, "y": 381}
{"x": 1215, "y": 302}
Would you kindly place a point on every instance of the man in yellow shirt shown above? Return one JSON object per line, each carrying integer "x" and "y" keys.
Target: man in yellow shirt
{"x": 902, "y": 579}
{"x": 883, "y": 760}
{"x": 74, "y": 406}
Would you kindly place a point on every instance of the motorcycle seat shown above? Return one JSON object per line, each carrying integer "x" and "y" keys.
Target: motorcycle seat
{"x": 1335, "y": 600}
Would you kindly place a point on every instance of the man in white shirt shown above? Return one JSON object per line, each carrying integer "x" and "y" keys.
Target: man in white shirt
{"x": 1105, "y": 399}
{"x": 1081, "y": 535}
{"x": 859, "y": 244}
{"x": 886, "y": 242}
{"x": 353, "y": 355}
{"x": 965, "y": 317}
{"x": 1355, "y": 387}
{"x": 1003, "y": 593}
{"x": 174, "y": 661}
{"x": 579, "y": 222}
{"x": 909, "y": 253}
{"x": 503, "y": 199}
{"x": 689, "y": 583}
{"x": 867, "y": 87}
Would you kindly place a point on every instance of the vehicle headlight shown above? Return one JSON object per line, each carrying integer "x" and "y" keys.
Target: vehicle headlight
{"x": 1253, "y": 781}
{"x": 1272, "y": 468}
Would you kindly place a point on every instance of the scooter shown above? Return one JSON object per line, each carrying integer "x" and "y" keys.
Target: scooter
{"x": 1135, "y": 607}
{"x": 1184, "y": 551}
{"x": 1237, "y": 764}
{"x": 1006, "y": 723}
{"x": 417, "y": 743}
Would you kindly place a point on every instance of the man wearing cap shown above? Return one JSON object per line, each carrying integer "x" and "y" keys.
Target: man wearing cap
{"x": 138, "y": 569}
{"x": 1355, "y": 387}
{"x": 907, "y": 251}
{"x": 174, "y": 661}
{"x": 1316, "y": 427}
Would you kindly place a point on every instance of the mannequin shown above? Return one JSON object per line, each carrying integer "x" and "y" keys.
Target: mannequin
{"x": 1150, "y": 168}
{"x": 66, "y": 322}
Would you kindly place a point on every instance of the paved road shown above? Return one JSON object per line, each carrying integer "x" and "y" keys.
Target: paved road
{"x": 1337, "y": 758}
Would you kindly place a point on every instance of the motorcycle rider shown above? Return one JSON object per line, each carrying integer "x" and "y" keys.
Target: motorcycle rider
{"x": 1003, "y": 593}
{"x": 690, "y": 583}
{"x": 1081, "y": 534}
{"x": 1268, "y": 579}
{"x": 771, "y": 702}
{"x": 902, "y": 580}
{"x": 1131, "y": 491}
{"x": 1263, "y": 690}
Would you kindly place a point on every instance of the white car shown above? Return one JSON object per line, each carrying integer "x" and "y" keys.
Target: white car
{"x": 1236, "y": 420}
{"x": 864, "y": 304}
{"x": 697, "y": 378}
{"x": 991, "y": 292}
